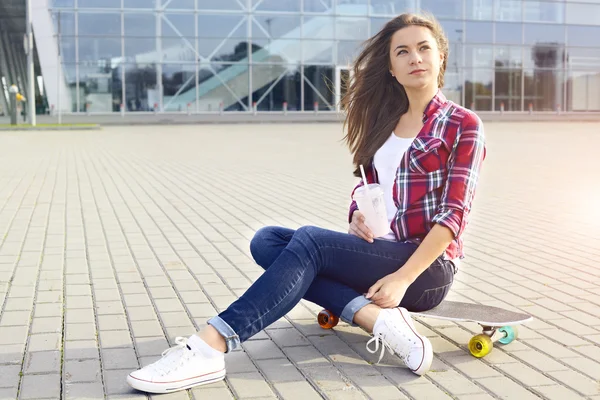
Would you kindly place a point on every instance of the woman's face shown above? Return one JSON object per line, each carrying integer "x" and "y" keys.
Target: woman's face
{"x": 415, "y": 59}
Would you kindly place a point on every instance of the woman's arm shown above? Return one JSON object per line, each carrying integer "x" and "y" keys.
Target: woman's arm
{"x": 434, "y": 245}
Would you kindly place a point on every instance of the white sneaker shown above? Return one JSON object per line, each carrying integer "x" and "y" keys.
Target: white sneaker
{"x": 181, "y": 367}
{"x": 394, "y": 328}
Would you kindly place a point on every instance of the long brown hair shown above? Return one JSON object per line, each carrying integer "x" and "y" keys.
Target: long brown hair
{"x": 374, "y": 100}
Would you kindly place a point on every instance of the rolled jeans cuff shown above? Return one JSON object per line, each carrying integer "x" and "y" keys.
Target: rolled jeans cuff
{"x": 352, "y": 308}
{"x": 231, "y": 338}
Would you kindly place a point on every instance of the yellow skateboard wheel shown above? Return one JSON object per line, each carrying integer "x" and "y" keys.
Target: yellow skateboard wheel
{"x": 327, "y": 320}
{"x": 480, "y": 345}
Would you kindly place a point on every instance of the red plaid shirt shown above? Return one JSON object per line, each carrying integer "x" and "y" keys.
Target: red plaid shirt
{"x": 436, "y": 179}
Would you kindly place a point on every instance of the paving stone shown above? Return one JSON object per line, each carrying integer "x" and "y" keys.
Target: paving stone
{"x": 42, "y": 362}
{"x": 114, "y": 322}
{"x": 556, "y": 392}
{"x": 44, "y": 342}
{"x": 93, "y": 390}
{"x": 81, "y": 349}
{"x": 9, "y": 375}
{"x": 577, "y": 381}
{"x": 151, "y": 346}
{"x": 214, "y": 391}
{"x": 248, "y": 385}
{"x": 47, "y": 325}
{"x": 119, "y": 359}
{"x": 13, "y": 334}
{"x": 80, "y": 331}
{"x": 40, "y": 387}
{"x": 262, "y": 349}
{"x": 279, "y": 370}
{"x": 12, "y": 353}
{"x": 82, "y": 371}
{"x": 115, "y": 339}
{"x": 8, "y": 393}
{"x": 304, "y": 391}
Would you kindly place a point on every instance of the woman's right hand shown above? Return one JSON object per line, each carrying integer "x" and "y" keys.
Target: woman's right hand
{"x": 359, "y": 228}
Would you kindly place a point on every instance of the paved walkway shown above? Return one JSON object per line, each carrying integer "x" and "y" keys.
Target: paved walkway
{"x": 116, "y": 241}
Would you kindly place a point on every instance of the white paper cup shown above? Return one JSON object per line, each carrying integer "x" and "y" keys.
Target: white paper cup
{"x": 373, "y": 208}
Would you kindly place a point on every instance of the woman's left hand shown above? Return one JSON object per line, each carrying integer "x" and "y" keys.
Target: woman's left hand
{"x": 388, "y": 291}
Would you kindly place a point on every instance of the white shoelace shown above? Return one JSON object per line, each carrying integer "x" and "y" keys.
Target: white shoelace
{"x": 392, "y": 348}
{"x": 170, "y": 358}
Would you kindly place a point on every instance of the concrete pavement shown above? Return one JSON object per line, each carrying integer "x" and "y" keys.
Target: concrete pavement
{"x": 116, "y": 241}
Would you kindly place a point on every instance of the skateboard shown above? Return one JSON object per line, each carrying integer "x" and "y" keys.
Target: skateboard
{"x": 497, "y": 323}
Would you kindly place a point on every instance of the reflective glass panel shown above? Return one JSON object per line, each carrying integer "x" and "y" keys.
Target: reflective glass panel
{"x": 317, "y": 6}
{"x": 347, "y": 51}
{"x": 479, "y": 9}
{"x": 65, "y": 21}
{"x": 276, "y": 5}
{"x": 392, "y": 8}
{"x": 142, "y": 4}
{"x": 583, "y": 35}
{"x": 140, "y": 25}
{"x": 351, "y": 28}
{"x": 583, "y": 14}
{"x": 453, "y": 30}
{"x": 546, "y": 33}
{"x": 543, "y": 11}
{"x": 479, "y": 32}
{"x": 509, "y": 33}
{"x": 276, "y": 26}
{"x": 175, "y": 25}
{"x": 99, "y": 24}
{"x": 62, "y": 3}
{"x": 318, "y": 81}
{"x": 99, "y": 3}
{"x": 478, "y": 56}
{"x": 140, "y": 87}
{"x": 233, "y": 93}
{"x": 508, "y": 89}
{"x": 355, "y": 7}
{"x": 478, "y": 89}
{"x": 508, "y": 56}
{"x": 179, "y": 86}
{"x": 543, "y": 89}
{"x": 101, "y": 88}
{"x": 99, "y": 48}
{"x": 583, "y": 91}
{"x": 544, "y": 55}
{"x": 280, "y": 51}
{"x": 318, "y": 51}
{"x": 230, "y": 5}
{"x": 270, "y": 88}
{"x": 222, "y": 26}
{"x": 443, "y": 8}
{"x": 181, "y": 5}
{"x": 508, "y": 10}
{"x": 319, "y": 27}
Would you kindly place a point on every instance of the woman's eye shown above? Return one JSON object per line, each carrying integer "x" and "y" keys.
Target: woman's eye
{"x": 424, "y": 47}
{"x": 402, "y": 52}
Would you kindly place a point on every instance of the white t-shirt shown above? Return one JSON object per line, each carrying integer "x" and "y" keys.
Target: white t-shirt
{"x": 387, "y": 160}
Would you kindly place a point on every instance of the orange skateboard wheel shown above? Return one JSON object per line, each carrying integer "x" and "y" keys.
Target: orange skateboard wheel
{"x": 327, "y": 320}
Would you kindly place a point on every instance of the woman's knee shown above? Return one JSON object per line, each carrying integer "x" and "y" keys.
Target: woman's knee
{"x": 261, "y": 245}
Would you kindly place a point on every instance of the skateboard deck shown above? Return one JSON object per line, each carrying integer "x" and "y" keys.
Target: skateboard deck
{"x": 498, "y": 324}
{"x": 468, "y": 312}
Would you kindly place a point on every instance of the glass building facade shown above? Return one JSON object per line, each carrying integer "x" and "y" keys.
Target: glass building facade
{"x": 134, "y": 56}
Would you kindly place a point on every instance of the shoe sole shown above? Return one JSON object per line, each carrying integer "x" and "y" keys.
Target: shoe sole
{"x": 168, "y": 387}
{"x": 427, "y": 349}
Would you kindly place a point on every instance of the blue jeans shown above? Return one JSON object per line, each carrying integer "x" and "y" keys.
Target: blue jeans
{"x": 331, "y": 269}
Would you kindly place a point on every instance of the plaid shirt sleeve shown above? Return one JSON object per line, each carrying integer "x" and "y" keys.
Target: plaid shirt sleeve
{"x": 464, "y": 167}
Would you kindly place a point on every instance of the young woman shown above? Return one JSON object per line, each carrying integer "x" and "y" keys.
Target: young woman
{"x": 426, "y": 153}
